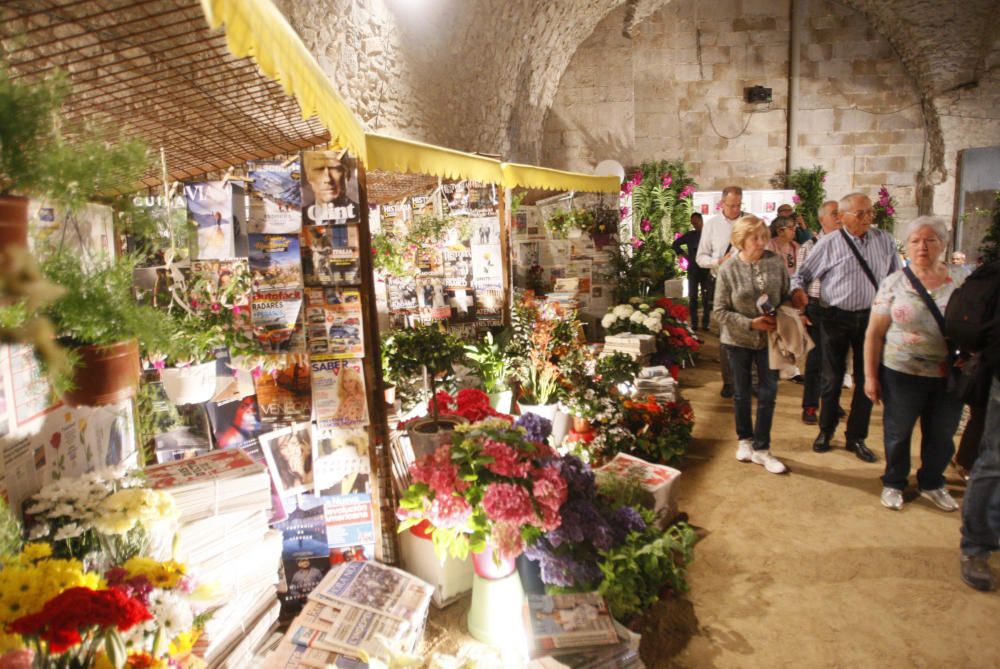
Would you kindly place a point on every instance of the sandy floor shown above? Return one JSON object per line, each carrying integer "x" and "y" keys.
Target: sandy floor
{"x": 803, "y": 570}
{"x": 808, "y": 569}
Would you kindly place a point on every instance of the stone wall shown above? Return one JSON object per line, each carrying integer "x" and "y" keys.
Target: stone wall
{"x": 678, "y": 92}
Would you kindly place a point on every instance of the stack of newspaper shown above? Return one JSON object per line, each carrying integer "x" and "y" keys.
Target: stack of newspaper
{"x": 359, "y": 610}
{"x": 656, "y": 381}
{"x": 574, "y": 630}
{"x": 224, "y": 498}
{"x": 639, "y": 346}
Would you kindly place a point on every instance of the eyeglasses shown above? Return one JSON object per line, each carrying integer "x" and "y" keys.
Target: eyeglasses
{"x": 860, "y": 213}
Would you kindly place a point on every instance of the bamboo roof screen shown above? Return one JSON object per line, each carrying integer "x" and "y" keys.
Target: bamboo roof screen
{"x": 154, "y": 70}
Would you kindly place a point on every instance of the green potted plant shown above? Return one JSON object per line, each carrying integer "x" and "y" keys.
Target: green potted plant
{"x": 206, "y": 309}
{"x": 490, "y": 360}
{"x": 427, "y": 351}
{"x": 101, "y": 323}
{"x": 44, "y": 158}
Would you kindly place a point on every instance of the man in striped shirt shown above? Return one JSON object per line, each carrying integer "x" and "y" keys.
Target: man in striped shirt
{"x": 847, "y": 290}
{"x": 829, "y": 219}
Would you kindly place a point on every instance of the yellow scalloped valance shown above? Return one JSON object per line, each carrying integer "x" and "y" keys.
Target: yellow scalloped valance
{"x": 256, "y": 28}
{"x": 529, "y": 176}
{"x": 403, "y": 155}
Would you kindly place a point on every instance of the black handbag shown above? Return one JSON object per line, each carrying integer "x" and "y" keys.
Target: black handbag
{"x": 970, "y": 381}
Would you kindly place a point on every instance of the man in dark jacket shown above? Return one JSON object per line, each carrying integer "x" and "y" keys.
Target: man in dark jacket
{"x": 699, "y": 280}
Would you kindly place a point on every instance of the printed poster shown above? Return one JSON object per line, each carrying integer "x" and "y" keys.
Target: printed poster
{"x": 210, "y": 208}
{"x": 275, "y": 198}
{"x": 350, "y": 527}
{"x": 487, "y": 268}
{"x": 275, "y": 262}
{"x": 340, "y": 460}
{"x": 330, "y": 254}
{"x": 284, "y": 395}
{"x": 485, "y": 231}
{"x": 338, "y": 388}
{"x": 288, "y": 452}
{"x": 30, "y": 392}
{"x": 275, "y": 317}
{"x": 329, "y": 188}
{"x": 334, "y": 322}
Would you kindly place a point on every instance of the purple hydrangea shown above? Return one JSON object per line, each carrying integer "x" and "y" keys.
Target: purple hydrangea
{"x": 578, "y": 476}
{"x": 537, "y": 427}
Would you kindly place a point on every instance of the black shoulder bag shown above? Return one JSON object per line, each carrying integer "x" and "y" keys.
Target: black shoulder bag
{"x": 970, "y": 382}
{"x": 861, "y": 260}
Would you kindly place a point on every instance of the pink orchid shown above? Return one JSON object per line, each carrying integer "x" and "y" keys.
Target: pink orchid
{"x": 256, "y": 372}
{"x": 668, "y": 179}
{"x": 627, "y": 187}
{"x": 195, "y": 303}
{"x": 636, "y": 178}
{"x": 237, "y": 310}
{"x": 683, "y": 263}
{"x": 160, "y": 363}
{"x": 623, "y": 211}
{"x": 796, "y": 199}
{"x": 216, "y": 307}
{"x": 891, "y": 211}
{"x": 636, "y": 242}
{"x": 823, "y": 179}
{"x": 687, "y": 191}
{"x": 645, "y": 226}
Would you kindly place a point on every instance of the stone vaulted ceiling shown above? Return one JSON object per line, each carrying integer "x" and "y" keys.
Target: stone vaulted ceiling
{"x": 480, "y": 75}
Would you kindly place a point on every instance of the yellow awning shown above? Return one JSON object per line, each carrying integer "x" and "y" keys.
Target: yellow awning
{"x": 529, "y": 176}
{"x": 256, "y": 28}
{"x": 403, "y": 155}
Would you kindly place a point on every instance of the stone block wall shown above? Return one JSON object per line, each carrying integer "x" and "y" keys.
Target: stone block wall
{"x": 687, "y": 66}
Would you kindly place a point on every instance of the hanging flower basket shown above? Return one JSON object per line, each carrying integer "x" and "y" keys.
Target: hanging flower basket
{"x": 13, "y": 221}
{"x": 105, "y": 375}
{"x": 189, "y": 385}
{"x": 601, "y": 239}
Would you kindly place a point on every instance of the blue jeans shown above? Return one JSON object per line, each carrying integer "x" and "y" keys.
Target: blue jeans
{"x": 908, "y": 397}
{"x": 981, "y": 506}
{"x": 814, "y": 359}
{"x": 741, "y": 361}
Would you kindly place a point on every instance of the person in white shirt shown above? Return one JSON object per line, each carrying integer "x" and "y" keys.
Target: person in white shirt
{"x": 715, "y": 248}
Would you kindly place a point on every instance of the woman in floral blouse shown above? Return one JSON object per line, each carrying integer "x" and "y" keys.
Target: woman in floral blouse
{"x": 907, "y": 363}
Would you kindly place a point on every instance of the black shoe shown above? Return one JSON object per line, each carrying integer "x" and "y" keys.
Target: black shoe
{"x": 822, "y": 443}
{"x": 809, "y": 416}
{"x": 976, "y": 572}
{"x": 798, "y": 378}
{"x": 857, "y": 446}
{"x": 727, "y": 391}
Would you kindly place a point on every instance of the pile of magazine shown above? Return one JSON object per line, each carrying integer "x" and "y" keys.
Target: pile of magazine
{"x": 639, "y": 346}
{"x": 360, "y": 610}
{"x": 224, "y": 498}
{"x": 656, "y": 381}
{"x": 576, "y": 631}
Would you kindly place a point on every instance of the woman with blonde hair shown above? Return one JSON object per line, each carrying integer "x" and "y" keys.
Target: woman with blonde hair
{"x": 907, "y": 362}
{"x": 749, "y": 288}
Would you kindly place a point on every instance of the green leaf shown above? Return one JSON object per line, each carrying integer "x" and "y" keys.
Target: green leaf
{"x": 114, "y": 648}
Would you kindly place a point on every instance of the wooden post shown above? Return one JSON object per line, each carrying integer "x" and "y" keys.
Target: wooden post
{"x": 383, "y": 494}
{"x": 503, "y": 213}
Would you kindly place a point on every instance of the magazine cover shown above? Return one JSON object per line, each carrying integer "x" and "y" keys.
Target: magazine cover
{"x": 402, "y": 293}
{"x": 431, "y": 298}
{"x": 288, "y": 452}
{"x": 241, "y": 215}
{"x": 275, "y": 198}
{"x": 177, "y": 432}
{"x": 338, "y": 388}
{"x": 210, "y": 208}
{"x": 329, "y": 188}
{"x": 330, "y": 254}
{"x": 304, "y": 551}
{"x": 568, "y": 621}
{"x": 284, "y": 395}
{"x": 487, "y": 269}
{"x": 350, "y": 527}
{"x": 275, "y": 262}
{"x": 462, "y": 302}
{"x": 220, "y": 464}
{"x": 457, "y": 266}
{"x": 469, "y": 198}
{"x": 340, "y": 460}
{"x": 276, "y": 319}
{"x": 486, "y": 231}
{"x": 334, "y": 322}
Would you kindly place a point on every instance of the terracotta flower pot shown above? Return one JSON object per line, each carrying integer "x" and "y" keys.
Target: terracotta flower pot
{"x": 13, "y": 221}
{"x": 581, "y": 425}
{"x": 426, "y": 435}
{"x": 106, "y": 374}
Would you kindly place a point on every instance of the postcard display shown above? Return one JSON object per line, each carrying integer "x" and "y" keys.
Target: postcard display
{"x": 459, "y": 280}
{"x": 41, "y": 438}
{"x": 570, "y": 265}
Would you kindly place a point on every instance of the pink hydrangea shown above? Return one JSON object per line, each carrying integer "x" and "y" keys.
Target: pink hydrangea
{"x": 449, "y": 511}
{"x": 506, "y": 460}
{"x": 508, "y": 502}
{"x": 437, "y": 471}
{"x": 506, "y": 537}
{"x": 549, "y": 488}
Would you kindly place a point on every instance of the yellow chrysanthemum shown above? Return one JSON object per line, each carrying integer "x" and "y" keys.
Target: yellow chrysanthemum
{"x": 161, "y": 574}
{"x": 183, "y": 643}
{"x": 9, "y": 642}
{"x": 36, "y": 551}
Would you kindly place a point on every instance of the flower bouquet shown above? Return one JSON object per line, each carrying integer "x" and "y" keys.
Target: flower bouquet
{"x": 494, "y": 483}
{"x": 662, "y": 430}
{"x": 542, "y": 335}
{"x": 885, "y": 210}
{"x": 663, "y": 318}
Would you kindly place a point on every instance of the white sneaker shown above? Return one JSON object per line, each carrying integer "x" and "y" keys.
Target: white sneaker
{"x": 848, "y": 381}
{"x": 771, "y": 463}
{"x": 892, "y": 498}
{"x": 942, "y": 499}
{"x": 744, "y": 450}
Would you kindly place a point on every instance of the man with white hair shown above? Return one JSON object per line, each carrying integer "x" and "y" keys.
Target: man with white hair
{"x": 850, "y": 264}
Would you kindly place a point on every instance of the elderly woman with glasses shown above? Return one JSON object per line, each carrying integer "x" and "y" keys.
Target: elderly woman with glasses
{"x": 907, "y": 362}
{"x": 783, "y": 242}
